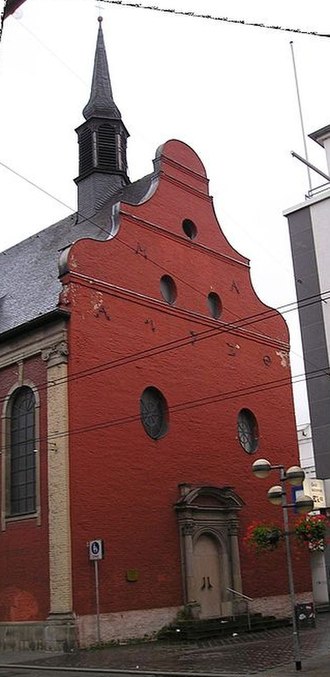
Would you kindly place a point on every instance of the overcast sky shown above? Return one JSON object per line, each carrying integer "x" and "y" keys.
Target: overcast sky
{"x": 227, "y": 90}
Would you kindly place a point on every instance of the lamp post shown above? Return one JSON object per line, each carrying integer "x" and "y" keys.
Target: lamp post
{"x": 277, "y": 495}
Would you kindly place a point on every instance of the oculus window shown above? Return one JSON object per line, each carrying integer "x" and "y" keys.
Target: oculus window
{"x": 154, "y": 413}
{"x": 189, "y": 229}
{"x": 168, "y": 289}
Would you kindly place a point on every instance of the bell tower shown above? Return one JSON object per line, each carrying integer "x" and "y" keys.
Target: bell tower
{"x": 102, "y": 140}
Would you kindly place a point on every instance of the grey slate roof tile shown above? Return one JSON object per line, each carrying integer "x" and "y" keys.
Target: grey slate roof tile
{"x": 29, "y": 284}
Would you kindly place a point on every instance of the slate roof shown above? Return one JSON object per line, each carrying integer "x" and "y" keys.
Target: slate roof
{"x": 29, "y": 284}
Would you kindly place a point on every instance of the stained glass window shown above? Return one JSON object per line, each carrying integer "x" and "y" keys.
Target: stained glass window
{"x": 248, "y": 433}
{"x": 22, "y": 484}
{"x": 154, "y": 413}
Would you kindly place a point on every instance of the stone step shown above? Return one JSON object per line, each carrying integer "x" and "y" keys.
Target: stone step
{"x": 322, "y": 608}
{"x": 220, "y": 627}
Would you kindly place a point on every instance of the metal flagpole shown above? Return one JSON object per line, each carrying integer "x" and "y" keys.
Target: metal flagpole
{"x": 300, "y": 114}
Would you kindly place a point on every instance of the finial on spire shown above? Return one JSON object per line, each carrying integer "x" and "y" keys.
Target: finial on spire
{"x": 101, "y": 103}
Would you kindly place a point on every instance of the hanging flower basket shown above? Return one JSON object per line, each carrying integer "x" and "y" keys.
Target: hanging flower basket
{"x": 311, "y": 530}
{"x": 263, "y": 537}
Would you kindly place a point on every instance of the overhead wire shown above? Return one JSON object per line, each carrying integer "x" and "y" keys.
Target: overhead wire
{"x": 184, "y": 406}
{"x": 211, "y": 331}
{"x": 195, "y": 336}
{"x": 135, "y": 5}
{"x": 119, "y": 239}
{"x": 212, "y": 17}
{"x": 175, "y": 344}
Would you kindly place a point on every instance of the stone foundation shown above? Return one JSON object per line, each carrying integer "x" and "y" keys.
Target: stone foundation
{"x": 123, "y": 626}
{"x": 50, "y": 635}
{"x": 280, "y": 605}
{"x": 64, "y": 634}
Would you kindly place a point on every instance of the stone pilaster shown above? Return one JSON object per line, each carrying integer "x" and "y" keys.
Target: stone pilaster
{"x": 187, "y": 534}
{"x": 58, "y": 480}
{"x": 235, "y": 559}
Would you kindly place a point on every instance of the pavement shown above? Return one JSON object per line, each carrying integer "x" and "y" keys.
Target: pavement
{"x": 267, "y": 653}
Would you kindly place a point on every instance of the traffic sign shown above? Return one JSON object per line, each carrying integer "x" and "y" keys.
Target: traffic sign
{"x": 95, "y": 549}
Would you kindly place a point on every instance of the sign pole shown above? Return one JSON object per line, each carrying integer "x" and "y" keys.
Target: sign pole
{"x": 96, "y": 552}
{"x": 97, "y": 597}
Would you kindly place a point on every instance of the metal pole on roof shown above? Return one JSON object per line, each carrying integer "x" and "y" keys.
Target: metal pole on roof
{"x": 301, "y": 115}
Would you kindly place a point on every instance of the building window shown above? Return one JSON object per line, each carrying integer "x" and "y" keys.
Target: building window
{"x": 21, "y": 480}
{"x": 168, "y": 289}
{"x": 248, "y": 433}
{"x": 189, "y": 229}
{"x": 154, "y": 413}
{"x": 214, "y": 305}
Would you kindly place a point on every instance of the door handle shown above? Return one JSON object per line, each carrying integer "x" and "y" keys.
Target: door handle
{"x": 209, "y": 584}
{"x": 203, "y": 584}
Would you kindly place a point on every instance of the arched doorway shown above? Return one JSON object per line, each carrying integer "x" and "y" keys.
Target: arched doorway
{"x": 208, "y": 524}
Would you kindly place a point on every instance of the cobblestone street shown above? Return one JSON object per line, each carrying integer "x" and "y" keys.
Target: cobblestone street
{"x": 268, "y": 653}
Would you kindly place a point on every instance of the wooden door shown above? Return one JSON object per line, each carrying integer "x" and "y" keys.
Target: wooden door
{"x": 207, "y": 567}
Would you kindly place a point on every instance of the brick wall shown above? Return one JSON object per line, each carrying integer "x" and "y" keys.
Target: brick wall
{"x": 124, "y": 484}
{"x": 24, "y": 571}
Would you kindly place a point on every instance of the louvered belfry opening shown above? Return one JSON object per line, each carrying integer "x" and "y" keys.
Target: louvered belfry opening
{"x": 85, "y": 152}
{"x": 106, "y": 148}
{"x": 102, "y": 147}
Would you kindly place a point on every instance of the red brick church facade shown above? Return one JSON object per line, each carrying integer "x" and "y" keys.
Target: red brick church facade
{"x": 136, "y": 392}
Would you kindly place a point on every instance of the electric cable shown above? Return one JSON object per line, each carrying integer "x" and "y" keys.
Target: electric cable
{"x": 167, "y": 346}
{"x": 117, "y": 237}
{"x": 211, "y": 17}
{"x": 247, "y": 391}
{"x": 190, "y": 338}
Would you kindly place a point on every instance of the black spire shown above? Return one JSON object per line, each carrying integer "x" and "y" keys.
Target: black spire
{"x": 102, "y": 140}
{"x": 101, "y": 103}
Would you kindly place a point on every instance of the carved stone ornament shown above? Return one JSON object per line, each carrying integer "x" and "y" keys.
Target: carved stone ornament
{"x": 188, "y": 529}
{"x": 56, "y": 354}
{"x": 233, "y": 528}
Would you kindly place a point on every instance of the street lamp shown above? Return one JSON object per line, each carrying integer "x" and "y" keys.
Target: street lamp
{"x": 304, "y": 504}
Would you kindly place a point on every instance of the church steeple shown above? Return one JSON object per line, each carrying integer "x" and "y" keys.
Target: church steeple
{"x": 102, "y": 140}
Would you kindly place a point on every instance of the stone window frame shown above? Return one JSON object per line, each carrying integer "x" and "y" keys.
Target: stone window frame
{"x": 5, "y": 456}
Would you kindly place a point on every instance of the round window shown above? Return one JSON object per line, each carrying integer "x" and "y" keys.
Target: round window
{"x": 248, "y": 433}
{"x": 214, "y": 305}
{"x": 189, "y": 229}
{"x": 154, "y": 413}
{"x": 168, "y": 289}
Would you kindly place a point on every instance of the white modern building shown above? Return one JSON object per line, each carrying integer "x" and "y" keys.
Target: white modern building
{"x": 309, "y": 228}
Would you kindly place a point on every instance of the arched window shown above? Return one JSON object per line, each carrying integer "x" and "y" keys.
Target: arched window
{"x": 21, "y": 480}
{"x": 214, "y": 304}
{"x": 247, "y": 428}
